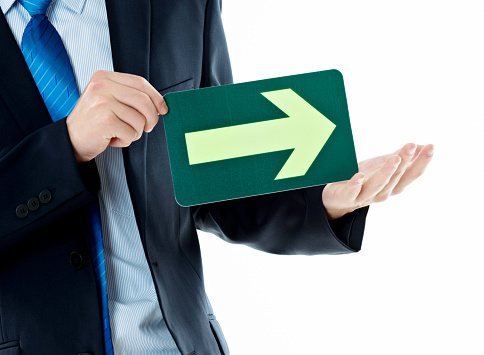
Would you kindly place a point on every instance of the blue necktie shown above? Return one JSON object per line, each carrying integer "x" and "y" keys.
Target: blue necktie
{"x": 51, "y": 69}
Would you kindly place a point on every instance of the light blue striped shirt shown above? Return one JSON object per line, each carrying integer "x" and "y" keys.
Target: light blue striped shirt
{"x": 137, "y": 323}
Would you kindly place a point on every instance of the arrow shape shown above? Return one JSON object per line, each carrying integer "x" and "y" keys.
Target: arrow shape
{"x": 305, "y": 130}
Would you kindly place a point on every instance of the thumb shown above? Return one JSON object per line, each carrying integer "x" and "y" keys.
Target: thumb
{"x": 353, "y": 187}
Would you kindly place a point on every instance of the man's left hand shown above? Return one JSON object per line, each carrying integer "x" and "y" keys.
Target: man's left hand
{"x": 377, "y": 179}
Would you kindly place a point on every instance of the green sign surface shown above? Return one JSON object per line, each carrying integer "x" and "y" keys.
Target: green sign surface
{"x": 259, "y": 137}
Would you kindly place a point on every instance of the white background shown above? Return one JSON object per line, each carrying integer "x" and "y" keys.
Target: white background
{"x": 414, "y": 72}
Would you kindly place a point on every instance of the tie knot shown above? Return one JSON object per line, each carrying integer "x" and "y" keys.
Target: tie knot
{"x": 35, "y": 7}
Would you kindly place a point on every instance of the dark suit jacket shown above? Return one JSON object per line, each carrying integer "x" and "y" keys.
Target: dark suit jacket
{"x": 48, "y": 298}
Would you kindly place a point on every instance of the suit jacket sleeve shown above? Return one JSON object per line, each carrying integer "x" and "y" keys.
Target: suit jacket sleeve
{"x": 292, "y": 222}
{"x": 42, "y": 160}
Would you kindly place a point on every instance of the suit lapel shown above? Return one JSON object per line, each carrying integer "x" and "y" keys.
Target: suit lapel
{"x": 129, "y": 28}
{"x": 17, "y": 84}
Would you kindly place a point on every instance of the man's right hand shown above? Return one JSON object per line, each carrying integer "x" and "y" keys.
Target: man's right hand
{"x": 114, "y": 109}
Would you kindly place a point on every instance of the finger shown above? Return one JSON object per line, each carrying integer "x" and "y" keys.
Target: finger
{"x": 116, "y": 143}
{"x": 379, "y": 180}
{"x": 339, "y": 197}
{"x": 136, "y": 82}
{"x": 129, "y": 116}
{"x": 119, "y": 133}
{"x": 371, "y": 165}
{"x": 406, "y": 154}
{"x": 416, "y": 169}
{"x": 417, "y": 152}
{"x": 139, "y": 101}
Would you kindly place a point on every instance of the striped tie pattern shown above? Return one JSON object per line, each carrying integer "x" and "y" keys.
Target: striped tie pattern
{"x": 51, "y": 69}
{"x": 97, "y": 251}
{"x": 48, "y": 62}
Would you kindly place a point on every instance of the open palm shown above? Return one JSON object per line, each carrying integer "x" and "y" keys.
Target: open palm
{"x": 377, "y": 179}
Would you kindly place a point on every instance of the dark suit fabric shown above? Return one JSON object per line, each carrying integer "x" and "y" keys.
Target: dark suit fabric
{"x": 49, "y": 305}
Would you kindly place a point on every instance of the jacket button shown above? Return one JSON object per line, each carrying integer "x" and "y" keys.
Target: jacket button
{"x": 33, "y": 204}
{"x": 22, "y": 211}
{"x": 45, "y": 196}
{"x": 76, "y": 260}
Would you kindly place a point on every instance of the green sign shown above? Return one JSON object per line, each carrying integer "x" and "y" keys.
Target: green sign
{"x": 259, "y": 137}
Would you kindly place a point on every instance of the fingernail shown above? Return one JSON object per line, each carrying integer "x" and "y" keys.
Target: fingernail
{"x": 430, "y": 153}
{"x": 164, "y": 109}
{"x": 412, "y": 151}
{"x": 360, "y": 181}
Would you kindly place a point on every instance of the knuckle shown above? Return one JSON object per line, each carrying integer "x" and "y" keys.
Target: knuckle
{"x": 100, "y": 102}
{"x": 144, "y": 82}
{"x": 156, "y": 120}
{"x": 137, "y": 133}
{"x": 138, "y": 122}
{"x": 153, "y": 119}
{"x": 144, "y": 99}
{"x": 98, "y": 74}
{"x": 140, "y": 82}
{"x": 107, "y": 120}
{"x": 95, "y": 85}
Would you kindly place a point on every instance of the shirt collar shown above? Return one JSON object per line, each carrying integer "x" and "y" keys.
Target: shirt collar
{"x": 75, "y": 5}
{"x": 6, "y": 5}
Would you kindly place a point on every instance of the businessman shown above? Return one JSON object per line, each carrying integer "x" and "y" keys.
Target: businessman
{"x": 96, "y": 257}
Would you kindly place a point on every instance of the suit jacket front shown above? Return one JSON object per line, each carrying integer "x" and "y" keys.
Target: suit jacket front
{"x": 48, "y": 298}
